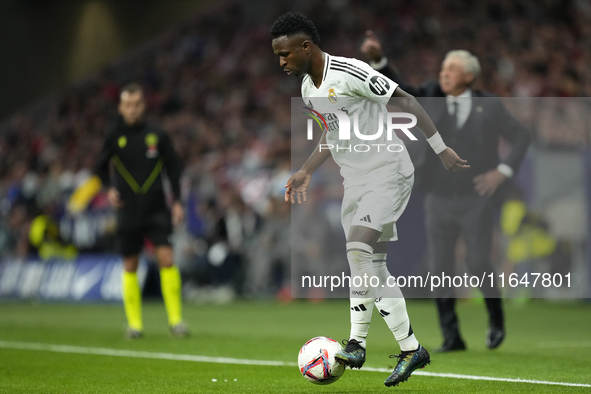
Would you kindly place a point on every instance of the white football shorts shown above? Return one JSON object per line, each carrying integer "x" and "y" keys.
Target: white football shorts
{"x": 377, "y": 205}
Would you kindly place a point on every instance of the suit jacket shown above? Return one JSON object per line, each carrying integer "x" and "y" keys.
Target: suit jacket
{"x": 477, "y": 141}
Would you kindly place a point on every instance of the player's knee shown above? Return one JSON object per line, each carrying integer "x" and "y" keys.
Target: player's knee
{"x": 130, "y": 263}
{"x": 164, "y": 256}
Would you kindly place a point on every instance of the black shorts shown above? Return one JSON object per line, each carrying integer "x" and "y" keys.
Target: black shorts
{"x": 133, "y": 228}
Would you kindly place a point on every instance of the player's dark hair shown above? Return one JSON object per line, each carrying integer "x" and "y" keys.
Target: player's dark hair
{"x": 292, "y": 23}
{"x": 132, "y": 88}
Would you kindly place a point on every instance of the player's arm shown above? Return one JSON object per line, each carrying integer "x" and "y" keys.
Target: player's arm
{"x": 383, "y": 90}
{"x": 101, "y": 166}
{"x": 297, "y": 185}
{"x": 101, "y": 170}
{"x": 450, "y": 159}
{"x": 174, "y": 169}
{"x": 372, "y": 48}
{"x": 514, "y": 132}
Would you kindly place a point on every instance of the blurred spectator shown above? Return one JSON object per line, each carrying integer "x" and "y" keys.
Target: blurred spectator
{"x": 269, "y": 270}
{"x": 44, "y": 236}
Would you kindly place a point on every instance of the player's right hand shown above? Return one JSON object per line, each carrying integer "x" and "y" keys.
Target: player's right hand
{"x": 297, "y": 187}
{"x": 452, "y": 162}
{"x": 371, "y": 47}
{"x": 114, "y": 197}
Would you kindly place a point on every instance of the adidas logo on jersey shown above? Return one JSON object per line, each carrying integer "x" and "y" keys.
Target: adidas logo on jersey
{"x": 366, "y": 219}
{"x": 359, "y": 308}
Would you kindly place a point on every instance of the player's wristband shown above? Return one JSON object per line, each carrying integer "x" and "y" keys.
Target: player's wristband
{"x": 437, "y": 143}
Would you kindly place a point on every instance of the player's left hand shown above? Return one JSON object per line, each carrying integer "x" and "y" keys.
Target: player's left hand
{"x": 452, "y": 162}
{"x": 297, "y": 187}
{"x": 485, "y": 184}
{"x": 177, "y": 213}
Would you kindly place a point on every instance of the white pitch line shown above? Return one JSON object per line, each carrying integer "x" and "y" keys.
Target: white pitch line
{"x": 227, "y": 360}
{"x": 137, "y": 354}
{"x": 564, "y": 344}
{"x": 476, "y": 377}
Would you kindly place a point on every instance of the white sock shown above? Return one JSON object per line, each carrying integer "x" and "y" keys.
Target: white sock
{"x": 392, "y": 307}
{"x": 361, "y": 295}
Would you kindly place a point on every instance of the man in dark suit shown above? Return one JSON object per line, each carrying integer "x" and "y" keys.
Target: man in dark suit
{"x": 471, "y": 122}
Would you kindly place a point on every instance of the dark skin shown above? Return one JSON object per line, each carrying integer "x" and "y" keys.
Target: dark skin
{"x": 298, "y": 56}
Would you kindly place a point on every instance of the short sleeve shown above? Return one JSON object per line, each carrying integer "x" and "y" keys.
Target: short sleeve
{"x": 373, "y": 84}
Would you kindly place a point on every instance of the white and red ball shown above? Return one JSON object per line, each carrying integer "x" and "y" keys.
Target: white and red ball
{"x": 316, "y": 361}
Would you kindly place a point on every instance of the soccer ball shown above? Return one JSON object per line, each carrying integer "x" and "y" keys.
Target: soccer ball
{"x": 316, "y": 361}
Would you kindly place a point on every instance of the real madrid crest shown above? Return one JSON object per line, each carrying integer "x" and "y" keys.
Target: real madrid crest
{"x": 332, "y": 96}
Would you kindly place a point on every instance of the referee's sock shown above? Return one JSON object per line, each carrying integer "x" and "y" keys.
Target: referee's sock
{"x": 170, "y": 283}
{"x": 132, "y": 300}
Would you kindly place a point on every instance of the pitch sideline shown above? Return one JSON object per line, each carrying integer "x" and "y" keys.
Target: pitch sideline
{"x": 227, "y": 360}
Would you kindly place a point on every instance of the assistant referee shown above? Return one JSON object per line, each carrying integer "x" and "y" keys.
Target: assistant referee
{"x": 140, "y": 151}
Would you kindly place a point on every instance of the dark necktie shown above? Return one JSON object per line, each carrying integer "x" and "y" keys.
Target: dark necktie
{"x": 455, "y": 116}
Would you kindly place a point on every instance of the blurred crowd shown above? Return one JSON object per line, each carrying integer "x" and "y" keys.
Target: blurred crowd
{"x": 217, "y": 88}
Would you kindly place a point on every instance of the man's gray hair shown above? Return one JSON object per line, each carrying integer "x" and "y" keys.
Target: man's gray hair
{"x": 470, "y": 62}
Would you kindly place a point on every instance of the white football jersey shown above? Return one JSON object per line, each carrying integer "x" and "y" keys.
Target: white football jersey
{"x": 354, "y": 88}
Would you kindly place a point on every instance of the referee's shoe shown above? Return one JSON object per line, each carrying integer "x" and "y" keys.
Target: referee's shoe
{"x": 408, "y": 362}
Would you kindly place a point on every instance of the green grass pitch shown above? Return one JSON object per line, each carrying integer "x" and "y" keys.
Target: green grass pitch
{"x": 545, "y": 341}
